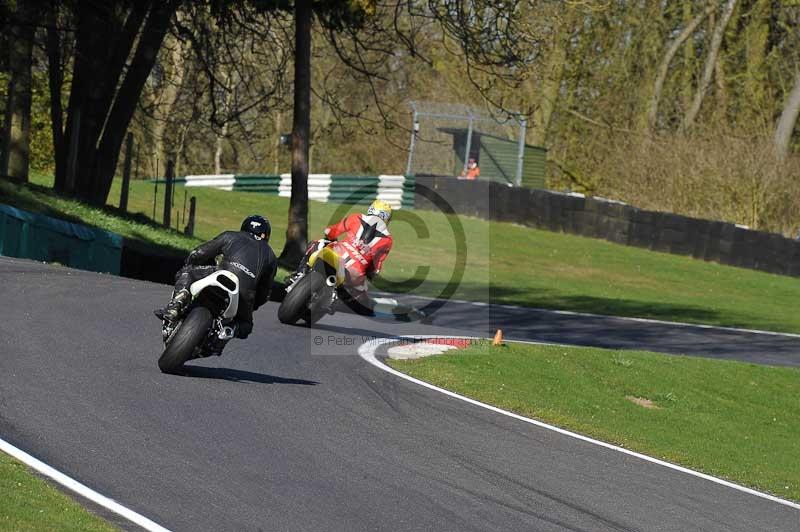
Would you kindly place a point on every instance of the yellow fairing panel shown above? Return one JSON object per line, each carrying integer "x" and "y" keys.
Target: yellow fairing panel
{"x": 329, "y": 257}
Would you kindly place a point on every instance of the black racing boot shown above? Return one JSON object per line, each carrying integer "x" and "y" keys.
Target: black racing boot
{"x": 175, "y": 307}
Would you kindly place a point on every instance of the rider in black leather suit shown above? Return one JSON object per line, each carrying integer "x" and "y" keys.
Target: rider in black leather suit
{"x": 247, "y": 254}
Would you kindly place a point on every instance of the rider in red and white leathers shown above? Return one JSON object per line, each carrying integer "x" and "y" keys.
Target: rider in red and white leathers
{"x": 365, "y": 245}
{"x": 362, "y": 241}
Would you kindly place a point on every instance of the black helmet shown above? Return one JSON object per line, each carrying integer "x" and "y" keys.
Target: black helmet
{"x": 257, "y": 224}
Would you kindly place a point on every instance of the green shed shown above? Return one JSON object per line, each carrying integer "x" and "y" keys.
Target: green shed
{"x": 498, "y": 159}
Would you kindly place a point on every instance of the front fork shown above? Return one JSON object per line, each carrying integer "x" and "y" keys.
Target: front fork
{"x": 168, "y": 328}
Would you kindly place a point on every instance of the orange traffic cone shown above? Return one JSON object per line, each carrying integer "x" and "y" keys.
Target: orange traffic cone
{"x": 498, "y": 337}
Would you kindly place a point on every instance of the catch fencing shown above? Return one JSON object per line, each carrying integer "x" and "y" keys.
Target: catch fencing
{"x": 445, "y": 136}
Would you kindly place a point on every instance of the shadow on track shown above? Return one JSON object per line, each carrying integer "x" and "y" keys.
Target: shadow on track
{"x": 366, "y": 334}
{"x": 237, "y": 375}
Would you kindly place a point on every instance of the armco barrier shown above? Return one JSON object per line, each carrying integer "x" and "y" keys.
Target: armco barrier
{"x": 398, "y": 190}
{"x": 616, "y": 222}
{"x": 35, "y": 236}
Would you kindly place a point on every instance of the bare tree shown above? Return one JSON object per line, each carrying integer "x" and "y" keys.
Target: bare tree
{"x": 493, "y": 39}
{"x": 711, "y": 61}
{"x": 222, "y": 134}
{"x": 297, "y": 229}
{"x": 788, "y": 119}
{"x": 55, "y": 44}
{"x": 107, "y": 79}
{"x": 663, "y": 69}
{"x": 174, "y": 70}
{"x": 238, "y": 71}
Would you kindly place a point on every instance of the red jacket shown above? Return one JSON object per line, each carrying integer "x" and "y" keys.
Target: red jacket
{"x": 366, "y": 243}
{"x": 471, "y": 174}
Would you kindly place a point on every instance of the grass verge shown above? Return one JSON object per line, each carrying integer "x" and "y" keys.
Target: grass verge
{"x": 30, "y": 504}
{"x": 40, "y": 199}
{"x": 728, "y": 419}
{"x": 503, "y": 263}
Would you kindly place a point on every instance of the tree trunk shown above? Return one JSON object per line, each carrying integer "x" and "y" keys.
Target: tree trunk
{"x": 181, "y": 147}
{"x": 278, "y": 127}
{"x": 721, "y": 110}
{"x": 218, "y": 151}
{"x": 788, "y": 119}
{"x": 223, "y": 134}
{"x": 55, "y": 77}
{"x": 551, "y": 85}
{"x": 686, "y": 88}
{"x": 297, "y": 229}
{"x": 104, "y": 40}
{"x": 755, "y": 36}
{"x": 164, "y": 129}
{"x": 102, "y": 45}
{"x": 663, "y": 68}
{"x": 17, "y": 124}
{"x": 708, "y": 70}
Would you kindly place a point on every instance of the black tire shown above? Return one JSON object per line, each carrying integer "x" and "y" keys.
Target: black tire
{"x": 319, "y": 307}
{"x": 189, "y": 335}
{"x": 295, "y": 305}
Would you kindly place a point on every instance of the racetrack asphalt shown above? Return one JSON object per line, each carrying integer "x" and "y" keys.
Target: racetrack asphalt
{"x": 616, "y": 332}
{"x": 281, "y": 433}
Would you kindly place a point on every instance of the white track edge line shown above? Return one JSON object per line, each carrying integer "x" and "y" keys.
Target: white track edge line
{"x": 81, "y": 489}
{"x": 610, "y": 316}
{"x": 367, "y": 352}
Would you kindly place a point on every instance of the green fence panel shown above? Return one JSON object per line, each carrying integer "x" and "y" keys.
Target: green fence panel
{"x": 13, "y": 235}
{"x": 35, "y": 236}
{"x": 353, "y": 181}
{"x": 251, "y": 187}
{"x": 353, "y": 189}
{"x": 260, "y": 179}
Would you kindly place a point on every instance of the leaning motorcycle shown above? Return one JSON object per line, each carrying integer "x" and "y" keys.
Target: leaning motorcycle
{"x": 205, "y": 322}
{"x": 314, "y": 292}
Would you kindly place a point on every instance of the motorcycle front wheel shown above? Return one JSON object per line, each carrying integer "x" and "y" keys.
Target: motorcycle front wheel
{"x": 295, "y": 305}
{"x": 189, "y": 335}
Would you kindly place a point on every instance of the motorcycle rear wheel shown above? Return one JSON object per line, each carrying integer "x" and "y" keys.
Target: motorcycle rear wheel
{"x": 189, "y": 335}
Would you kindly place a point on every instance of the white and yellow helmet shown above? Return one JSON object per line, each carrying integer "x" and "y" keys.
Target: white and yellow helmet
{"x": 381, "y": 209}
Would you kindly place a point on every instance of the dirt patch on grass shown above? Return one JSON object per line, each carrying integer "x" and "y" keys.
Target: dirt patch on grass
{"x": 641, "y": 401}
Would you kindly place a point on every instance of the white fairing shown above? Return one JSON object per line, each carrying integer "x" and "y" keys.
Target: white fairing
{"x": 211, "y": 280}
